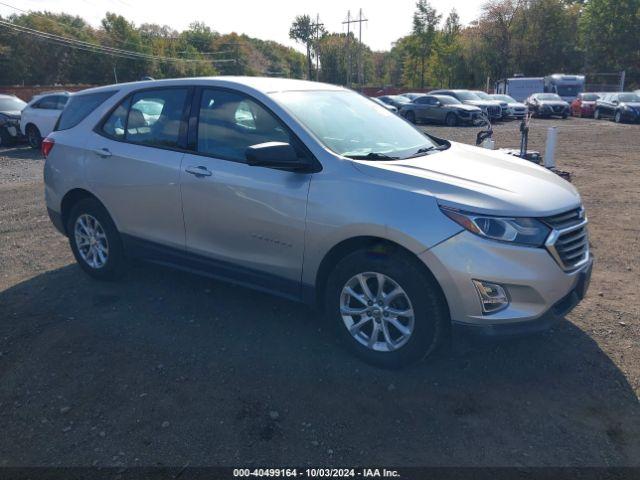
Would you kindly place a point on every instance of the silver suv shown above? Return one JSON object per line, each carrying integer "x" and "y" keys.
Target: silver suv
{"x": 318, "y": 194}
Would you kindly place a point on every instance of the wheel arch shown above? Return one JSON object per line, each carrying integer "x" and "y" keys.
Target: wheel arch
{"x": 71, "y": 198}
{"x": 373, "y": 244}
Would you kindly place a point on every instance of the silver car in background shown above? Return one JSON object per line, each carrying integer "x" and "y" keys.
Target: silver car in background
{"x": 316, "y": 193}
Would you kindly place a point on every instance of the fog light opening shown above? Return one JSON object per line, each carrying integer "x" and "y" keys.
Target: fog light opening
{"x": 493, "y": 297}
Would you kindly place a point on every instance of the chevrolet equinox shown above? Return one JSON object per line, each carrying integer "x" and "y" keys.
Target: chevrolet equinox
{"x": 318, "y": 194}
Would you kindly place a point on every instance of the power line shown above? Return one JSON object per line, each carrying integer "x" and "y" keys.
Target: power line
{"x": 348, "y": 22}
{"x": 92, "y": 47}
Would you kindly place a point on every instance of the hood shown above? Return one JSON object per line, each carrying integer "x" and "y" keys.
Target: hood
{"x": 480, "y": 180}
{"x": 462, "y": 106}
{"x": 517, "y": 105}
{"x": 553, "y": 103}
{"x": 630, "y": 104}
{"x": 12, "y": 114}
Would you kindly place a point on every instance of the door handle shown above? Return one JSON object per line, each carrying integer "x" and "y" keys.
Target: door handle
{"x": 103, "y": 152}
{"x": 198, "y": 171}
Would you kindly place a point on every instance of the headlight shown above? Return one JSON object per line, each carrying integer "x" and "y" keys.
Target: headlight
{"x": 524, "y": 231}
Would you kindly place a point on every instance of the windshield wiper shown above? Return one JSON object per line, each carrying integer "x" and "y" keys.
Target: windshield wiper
{"x": 372, "y": 156}
{"x": 423, "y": 151}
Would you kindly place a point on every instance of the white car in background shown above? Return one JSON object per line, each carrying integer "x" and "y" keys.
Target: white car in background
{"x": 40, "y": 115}
{"x": 515, "y": 109}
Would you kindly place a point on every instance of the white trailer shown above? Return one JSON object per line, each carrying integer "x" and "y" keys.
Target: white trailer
{"x": 520, "y": 88}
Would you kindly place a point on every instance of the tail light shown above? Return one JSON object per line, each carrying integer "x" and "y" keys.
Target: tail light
{"x": 47, "y": 146}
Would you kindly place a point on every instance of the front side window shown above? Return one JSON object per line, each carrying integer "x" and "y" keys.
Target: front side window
{"x": 352, "y": 126}
{"x": 48, "y": 103}
{"x": 230, "y": 122}
{"x": 155, "y": 117}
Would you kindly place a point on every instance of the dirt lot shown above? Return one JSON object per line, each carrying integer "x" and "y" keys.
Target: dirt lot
{"x": 166, "y": 368}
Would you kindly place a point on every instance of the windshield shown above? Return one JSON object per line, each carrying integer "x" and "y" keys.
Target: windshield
{"x": 446, "y": 100}
{"x": 548, "y": 96}
{"x": 504, "y": 98}
{"x": 467, "y": 96}
{"x": 483, "y": 96}
{"x": 590, "y": 97}
{"x": 568, "y": 90}
{"x": 11, "y": 104}
{"x": 629, "y": 97}
{"x": 351, "y": 125}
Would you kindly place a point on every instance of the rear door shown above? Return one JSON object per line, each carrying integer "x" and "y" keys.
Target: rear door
{"x": 247, "y": 223}
{"x": 133, "y": 165}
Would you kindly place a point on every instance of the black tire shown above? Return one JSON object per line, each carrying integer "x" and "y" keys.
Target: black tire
{"x": 565, "y": 115}
{"x": 596, "y": 114}
{"x": 115, "y": 264}
{"x": 411, "y": 117}
{"x": 451, "y": 120}
{"x": 34, "y": 137}
{"x": 431, "y": 314}
{"x": 5, "y": 139}
{"x": 618, "y": 117}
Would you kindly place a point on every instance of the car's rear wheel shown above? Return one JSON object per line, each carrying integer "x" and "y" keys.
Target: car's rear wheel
{"x": 95, "y": 241}
{"x": 411, "y": 116}
{"x": 596, "y": 114}
{"x": 451, "y": 120}
{"x": 33, "y": 136}
{"x": 385, "y": 308}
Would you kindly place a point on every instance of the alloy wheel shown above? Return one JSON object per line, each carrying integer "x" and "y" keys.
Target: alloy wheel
{"x": 91, "y": 241}
{"x": 377, "y": 311}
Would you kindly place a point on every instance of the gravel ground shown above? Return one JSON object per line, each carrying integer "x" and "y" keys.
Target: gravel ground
{"x": 166, "y": 368}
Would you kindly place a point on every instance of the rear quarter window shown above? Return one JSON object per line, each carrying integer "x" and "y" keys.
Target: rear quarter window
{"x": 79, "y": 107}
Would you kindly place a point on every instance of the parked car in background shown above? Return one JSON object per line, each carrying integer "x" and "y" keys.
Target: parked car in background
{"x": 515, "y": 109}
{"x": 547, "y": 105}
{"x": 40, "y": 116}
{"x": 621, "y": 107}
{"x": 485, "y": 96}
{"x": 324, "y": 198}
{"x": 389, "y": 107}
{"x": 395, "y": 100}
{"x": 412, "y": 95}
{"x": 440, "y": 109}
{"x": 490, "y": 108}
{"x": 584, "y": 105}
{"x": 10, "y": 108}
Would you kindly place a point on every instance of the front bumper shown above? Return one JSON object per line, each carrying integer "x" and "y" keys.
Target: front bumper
{"x": 13, "y": 130}
{"x": 540, "y": 292}
{"x": 629, "y": 116}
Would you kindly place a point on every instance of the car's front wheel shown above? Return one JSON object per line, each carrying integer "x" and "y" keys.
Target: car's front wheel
{"x": 596, "y": 114}
{"x": 95, "y": 241}
{"x": 411, "y": 117}
{"x": 387, "y": 310}
{"x": 618, "y": 117}
{"x": 451, "y": 120}
{"x": 33, "y": 136}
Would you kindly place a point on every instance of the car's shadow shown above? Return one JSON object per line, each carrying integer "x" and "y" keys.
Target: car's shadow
{"x": 169, "y": 368}
{"x": 20, "y": 151}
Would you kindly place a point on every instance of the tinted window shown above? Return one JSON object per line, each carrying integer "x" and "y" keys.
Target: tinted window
{"x": 230, "y": 122}
{"x": 79, "y": 106}
{"x": 155, "y": 117}
{"x": 48, "y": 103}
{"x": 423, "y": 100}
{"x": 589, "y": 97}
{"x": 117, "y": 121}
{"x": 61, "y": 101}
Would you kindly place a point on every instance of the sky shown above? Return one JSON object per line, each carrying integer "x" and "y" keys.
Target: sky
{"x": 267, "y": 20}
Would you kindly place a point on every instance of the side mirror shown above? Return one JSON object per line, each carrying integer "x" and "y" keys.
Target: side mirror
{"x": 274, "y": 155}
{"x": 438, "y": 103}
{"x": 615, "y": 102}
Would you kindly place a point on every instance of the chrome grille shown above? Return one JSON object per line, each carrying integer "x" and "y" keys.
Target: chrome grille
{"x": 569, "y": 240}
{"x": 495, "y": 110}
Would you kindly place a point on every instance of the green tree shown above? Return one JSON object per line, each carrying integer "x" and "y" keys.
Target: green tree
{"x": 302, "y": 31}
{"x": 425, "y": 22}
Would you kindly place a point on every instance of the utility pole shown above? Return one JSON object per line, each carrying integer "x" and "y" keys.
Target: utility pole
{"x": 317, "y": 27}
{"x": 348, "y": 22}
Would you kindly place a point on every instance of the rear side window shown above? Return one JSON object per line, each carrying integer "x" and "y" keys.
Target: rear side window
{"x": 48, "y": 103}
{"x": 155, "y": 117}
{"x": 79, "y": 107}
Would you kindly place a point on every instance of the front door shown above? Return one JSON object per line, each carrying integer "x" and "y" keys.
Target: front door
{"x": 247, "y": 223}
